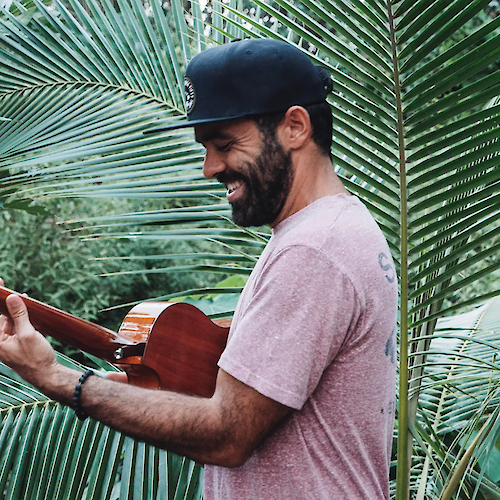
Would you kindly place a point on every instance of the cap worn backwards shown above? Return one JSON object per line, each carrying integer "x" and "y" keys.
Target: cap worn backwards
{"x": 250, "y": 77}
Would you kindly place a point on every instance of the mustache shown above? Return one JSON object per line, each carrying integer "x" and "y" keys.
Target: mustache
{"x": 226, "y": 177}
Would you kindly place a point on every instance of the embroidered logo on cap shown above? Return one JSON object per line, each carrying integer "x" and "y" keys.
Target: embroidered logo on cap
{"x": 190, "y": 94}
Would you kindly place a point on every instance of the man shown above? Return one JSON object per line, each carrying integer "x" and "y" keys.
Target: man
{"x": 304, "y": 403}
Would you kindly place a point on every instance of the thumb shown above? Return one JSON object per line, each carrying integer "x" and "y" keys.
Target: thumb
{"x": 18, "y": 312}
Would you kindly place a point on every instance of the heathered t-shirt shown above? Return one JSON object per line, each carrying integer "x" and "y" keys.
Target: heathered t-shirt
{"x": 315, "y": 330}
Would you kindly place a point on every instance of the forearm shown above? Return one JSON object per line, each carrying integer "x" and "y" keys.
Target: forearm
{"x": 222, "y": 430}
{"x": 190, "y": 426}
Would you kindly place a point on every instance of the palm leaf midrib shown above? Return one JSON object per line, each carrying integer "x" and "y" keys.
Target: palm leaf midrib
{"x": 29, "y": 405}
{"x": 84, "y": 83}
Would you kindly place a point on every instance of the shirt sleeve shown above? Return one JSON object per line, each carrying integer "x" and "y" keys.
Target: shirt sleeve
{"x": 301, "y": 312}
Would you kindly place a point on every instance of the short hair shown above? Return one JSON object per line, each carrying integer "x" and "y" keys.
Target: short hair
{"x": 320, "y": 115}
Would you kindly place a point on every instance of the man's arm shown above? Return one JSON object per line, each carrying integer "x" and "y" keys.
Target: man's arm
{"x": 223, "y": 430}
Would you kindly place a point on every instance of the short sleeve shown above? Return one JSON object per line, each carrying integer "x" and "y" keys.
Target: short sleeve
{"x": 293, "y": 326}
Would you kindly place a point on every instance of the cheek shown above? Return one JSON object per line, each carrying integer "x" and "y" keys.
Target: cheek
{"x": 238, "y": 160}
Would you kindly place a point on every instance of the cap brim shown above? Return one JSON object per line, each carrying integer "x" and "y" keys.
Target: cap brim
{"x": 191, "y": 123}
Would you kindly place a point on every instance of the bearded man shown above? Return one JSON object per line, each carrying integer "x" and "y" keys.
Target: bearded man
{"x": 304, "y": 402}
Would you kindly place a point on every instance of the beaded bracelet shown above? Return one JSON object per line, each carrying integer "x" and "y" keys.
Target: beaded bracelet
{"x": 78, "y": 392}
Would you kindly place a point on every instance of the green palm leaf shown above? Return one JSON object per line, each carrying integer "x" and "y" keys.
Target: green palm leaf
{"x": 416, "y": 124}
{"x": 457, "y": 400}
{"x": 47, "y": 453}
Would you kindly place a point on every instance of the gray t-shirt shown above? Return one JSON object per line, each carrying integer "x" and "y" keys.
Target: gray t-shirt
{"x": 315, "y": 330}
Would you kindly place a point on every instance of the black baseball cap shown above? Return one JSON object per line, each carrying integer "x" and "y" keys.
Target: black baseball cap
{"x": 249, "y": 77}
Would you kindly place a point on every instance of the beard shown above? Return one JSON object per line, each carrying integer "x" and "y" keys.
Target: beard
{"x": 267, "y": 181}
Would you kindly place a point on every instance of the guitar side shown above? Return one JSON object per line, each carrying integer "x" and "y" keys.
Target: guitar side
{"x": 182, "y": 350}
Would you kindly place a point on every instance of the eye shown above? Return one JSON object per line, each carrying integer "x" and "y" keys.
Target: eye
{"x": 224, "y": 147}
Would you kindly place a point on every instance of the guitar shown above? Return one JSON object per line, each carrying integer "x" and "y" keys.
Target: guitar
{"x": 170, "y": 346}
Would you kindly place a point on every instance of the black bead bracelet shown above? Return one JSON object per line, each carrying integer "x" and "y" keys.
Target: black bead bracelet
{"x": 78, "y": 392}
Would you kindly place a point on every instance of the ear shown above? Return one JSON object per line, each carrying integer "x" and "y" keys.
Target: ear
{"x": 295, "y": 130}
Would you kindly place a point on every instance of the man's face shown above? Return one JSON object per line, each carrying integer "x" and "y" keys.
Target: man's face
{"x": 256, "y": 170}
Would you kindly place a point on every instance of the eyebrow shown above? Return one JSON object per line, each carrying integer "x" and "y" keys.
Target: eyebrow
{"x": 212, "y": 135}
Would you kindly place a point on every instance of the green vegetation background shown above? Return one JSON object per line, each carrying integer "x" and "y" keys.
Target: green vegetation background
{"x": 42, "y": 256}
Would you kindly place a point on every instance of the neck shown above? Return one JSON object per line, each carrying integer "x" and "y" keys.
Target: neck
{"x": 314, "y": 178}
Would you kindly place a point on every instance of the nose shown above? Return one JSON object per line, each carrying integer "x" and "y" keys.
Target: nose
{"x": 213, "y": 164}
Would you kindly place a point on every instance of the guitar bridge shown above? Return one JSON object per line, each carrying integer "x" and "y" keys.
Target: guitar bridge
{"x": 130, "y": 350}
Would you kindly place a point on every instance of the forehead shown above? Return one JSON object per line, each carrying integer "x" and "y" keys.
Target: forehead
{"x": 226, "y": 129}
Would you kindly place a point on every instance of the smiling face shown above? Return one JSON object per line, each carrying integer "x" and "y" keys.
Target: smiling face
{"x": 255, "y": 169}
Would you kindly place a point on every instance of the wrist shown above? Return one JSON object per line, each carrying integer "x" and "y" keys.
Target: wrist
{"x": 76, "y": 403}
{"x": 58, "y": 382}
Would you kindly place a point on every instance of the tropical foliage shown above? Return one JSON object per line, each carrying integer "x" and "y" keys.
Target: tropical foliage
{"x": 48, "y": 453}
{"x": 39, "y": 256}
{"x": 459, "y": 401}
{"x": 416, "y": 125}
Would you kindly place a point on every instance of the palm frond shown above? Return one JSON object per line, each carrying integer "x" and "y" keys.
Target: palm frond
{"x": 459, "y": 392}
{"x": 48, "y": 453}
{"x": 416, "y": 123}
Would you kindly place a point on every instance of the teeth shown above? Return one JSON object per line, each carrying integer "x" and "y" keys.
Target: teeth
{"x": 232, "y": 186}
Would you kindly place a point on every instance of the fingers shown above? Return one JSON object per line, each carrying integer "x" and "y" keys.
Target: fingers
{"x": 6, "y": 326}
{"x": 18, "y": 312}
{"x": 117, "y": 377}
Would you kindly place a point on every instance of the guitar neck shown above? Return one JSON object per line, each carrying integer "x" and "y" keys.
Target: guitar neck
{"x": 65, "y": 327}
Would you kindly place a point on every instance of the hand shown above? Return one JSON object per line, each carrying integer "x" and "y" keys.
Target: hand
{"x": 117, "y": 377}
{"x": 22, "y": 348}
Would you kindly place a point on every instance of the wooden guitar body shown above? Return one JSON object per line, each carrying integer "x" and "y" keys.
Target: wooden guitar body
{"x": 182, "y": 348}
{"x": 171, "y": 346}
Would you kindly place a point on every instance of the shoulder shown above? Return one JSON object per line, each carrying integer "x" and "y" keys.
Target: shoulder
{"x": 329, "y": 218}
{"x": 338, "y": 236}
{"x": 334, "y": 228}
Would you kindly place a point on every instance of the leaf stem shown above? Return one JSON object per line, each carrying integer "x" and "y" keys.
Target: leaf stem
{"x": 403, "y": 461}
